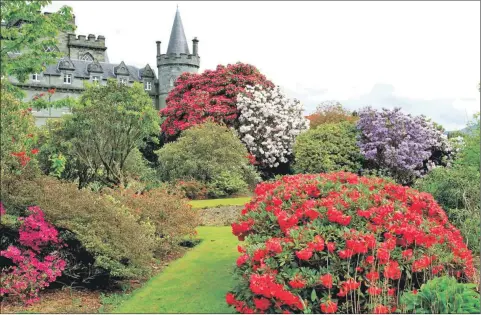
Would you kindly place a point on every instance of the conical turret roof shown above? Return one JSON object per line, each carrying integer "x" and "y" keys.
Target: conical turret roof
{"x": 177, "y": 41}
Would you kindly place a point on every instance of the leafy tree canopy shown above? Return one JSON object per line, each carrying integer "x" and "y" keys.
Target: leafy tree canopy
{"x": 27, "y": 30}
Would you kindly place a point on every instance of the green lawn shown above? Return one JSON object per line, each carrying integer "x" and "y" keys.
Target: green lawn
{"x": 211, "y": 203}
{"x": 196, "y": 283}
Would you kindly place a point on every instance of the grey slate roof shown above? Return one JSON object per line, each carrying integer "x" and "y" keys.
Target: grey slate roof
{"x": 177, "y": 41}
{"x": 135, "y": 74}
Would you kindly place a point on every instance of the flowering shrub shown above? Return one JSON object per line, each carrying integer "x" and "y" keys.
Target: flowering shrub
{"x": 400, "y": 143}
{"x": 269, "y": 123}
{"x": 34, "y": 266}
{"x": 337, "y": 242}
{"x": 212, "y": 93}
{"x": 18, "y": 140}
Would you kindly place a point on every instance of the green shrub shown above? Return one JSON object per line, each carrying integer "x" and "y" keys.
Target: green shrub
{"x": 137, "y": 167}
{"x": 207, "y": 153}
{"x": 227, "y": 184}
{"x": 443, "y": 295}
{"x": 121, "y": 245}
{"x": 171, "y": 215}
{"x": 329, "y": 147}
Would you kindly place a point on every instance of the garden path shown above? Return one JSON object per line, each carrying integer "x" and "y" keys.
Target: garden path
{"x": 196, "y": 283}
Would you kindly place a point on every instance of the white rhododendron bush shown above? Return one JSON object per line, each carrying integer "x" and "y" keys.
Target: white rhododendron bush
{"x": 269, "y": 123}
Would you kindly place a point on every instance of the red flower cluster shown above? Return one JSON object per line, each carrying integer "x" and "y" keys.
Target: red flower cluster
{"x": 30, "y": 274}
{"x": 212, "y": 93}
{"x": 338, "y": 234}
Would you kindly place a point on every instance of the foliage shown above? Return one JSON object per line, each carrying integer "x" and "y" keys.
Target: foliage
{"x": 470, "y": 155}
{"x": 329, "y": 112}
{"x": 443, "y": 295}
{"x": 269, "y": 123}
{"x": 338, "y": 242}
{"x": 138, "y": 168}
{"x": 203, "y": 275}
{"x": 226, "y": 184}
{"x": 329, "y": 147}
{"x": 211, "y": 94}
{"x": 171, "y": 215}
{"x": 110, "y": 232}
{"x": 202, "y": 153}
{"x": 29, "y": 32}
{"x": 18, "y": 136}
{"x": 457, "y": 189}
{"x": 400, "y": 143}
{"x": 35, "y": 262}
{"x": 108, "y": 124}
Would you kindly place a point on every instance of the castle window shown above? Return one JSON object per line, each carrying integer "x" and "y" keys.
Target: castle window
{"x": 67, "y": 79}
{"x": 35, "y": 77}
{"x": 171, "y": 81}
{"x": 87, "y": 57}
{"x": 148, "y": 86}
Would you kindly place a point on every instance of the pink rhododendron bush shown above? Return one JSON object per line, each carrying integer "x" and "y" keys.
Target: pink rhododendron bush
{"x": 35, "y": 262}
{"x": 340, "y": 243}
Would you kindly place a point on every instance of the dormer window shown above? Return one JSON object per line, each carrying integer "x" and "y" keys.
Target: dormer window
{"x": 87, "y": 57}
{"x": 122, "y": 81}
{"x": 95, "y": 79}
{"x": 148, "y": 86}
{"x": 67, "y": 79}
{"x": 35, "y": 77}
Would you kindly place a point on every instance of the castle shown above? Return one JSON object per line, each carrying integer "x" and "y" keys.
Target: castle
{"x": 85, "y": 59}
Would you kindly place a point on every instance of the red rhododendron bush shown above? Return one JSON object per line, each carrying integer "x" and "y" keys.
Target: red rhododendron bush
{"x": 339, "y": 243}
{"x": 212, "y": 93}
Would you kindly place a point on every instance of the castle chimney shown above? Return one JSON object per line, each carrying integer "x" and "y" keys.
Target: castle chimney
{"x": 195, "y": 46}
{"x": 158, "y": 47}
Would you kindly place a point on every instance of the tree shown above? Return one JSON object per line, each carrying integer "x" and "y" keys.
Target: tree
{"x": 330, "y": 112}
{"x": 399, "y": 143}
{"x": 329, "y": 147}
{"x": 211, "y": 94}
{"x": 109, "y": 122}
{"x": 269, "y": 123}
{"x": 29, "y": 32}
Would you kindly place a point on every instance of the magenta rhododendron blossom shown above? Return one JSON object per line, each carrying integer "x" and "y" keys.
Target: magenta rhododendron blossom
{"x": 33, "y": 269}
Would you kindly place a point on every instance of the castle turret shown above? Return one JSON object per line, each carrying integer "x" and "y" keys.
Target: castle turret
{"x": 176, "y": 61}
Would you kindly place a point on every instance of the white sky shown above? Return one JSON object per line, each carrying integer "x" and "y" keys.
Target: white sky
{"x": 422, "y": 56}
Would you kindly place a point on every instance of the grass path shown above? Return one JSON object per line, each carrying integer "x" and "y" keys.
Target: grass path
{"x": 196, "y": 283}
